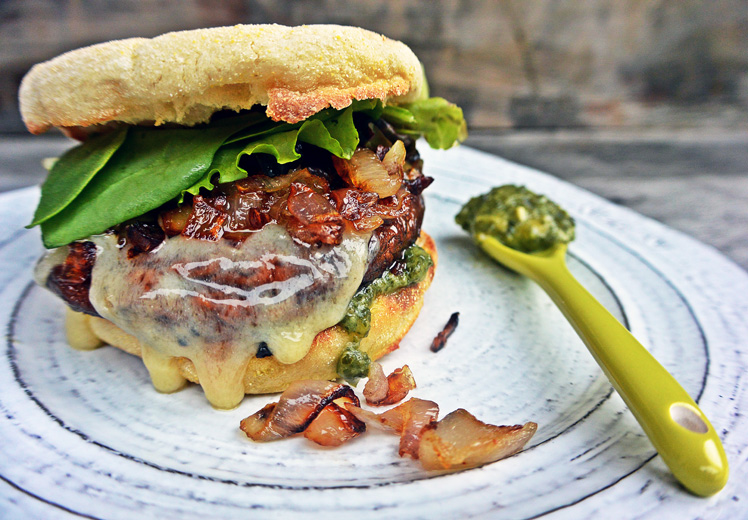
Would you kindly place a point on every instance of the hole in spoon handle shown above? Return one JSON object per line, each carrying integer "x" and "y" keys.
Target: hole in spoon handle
{"x": 690, "y": 419}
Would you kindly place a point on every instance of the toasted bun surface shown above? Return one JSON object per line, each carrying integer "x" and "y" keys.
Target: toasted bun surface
{"x": 184, "y": 77}
{"x": 392, "y": 316}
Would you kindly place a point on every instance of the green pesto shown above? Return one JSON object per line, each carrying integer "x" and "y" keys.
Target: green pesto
{"x": 354, "y": 363}
{"x": 517, "y": 218}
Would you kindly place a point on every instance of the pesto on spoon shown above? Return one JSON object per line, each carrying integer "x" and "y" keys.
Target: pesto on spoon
{"x": 529, "y": 234}
{"x": 517, "y": 218}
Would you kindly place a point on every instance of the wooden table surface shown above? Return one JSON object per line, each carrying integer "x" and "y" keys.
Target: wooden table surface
{"x": 696, "y": 182}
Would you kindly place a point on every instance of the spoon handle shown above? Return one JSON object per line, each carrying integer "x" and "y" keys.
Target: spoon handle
{"x": 678, "y": 429}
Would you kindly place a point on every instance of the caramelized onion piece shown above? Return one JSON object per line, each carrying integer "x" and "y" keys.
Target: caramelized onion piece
{"x": 333, "y": 426}
{"x": 460, "y": 441}
{"x": 206, "y": 220}
{"x": 398, "y": 205}
{"x": 314, "y": 218}
{"x": 441, "y": 338}
{"x": 415, "y": 417}
{"x": 143, "y": 237}
{"x": 409, "y": 419}
{"x": 71, "y": 280}
{"x": 369, "y": 418}
{"x": 353, "y": 203}
{"x": 309, "y": 206}
{"x": 394, "y": 160}
{"x": 358, "y": 207}
{"x": 175, "y": 220}
{"x": 382, "y": 391}
{"x": 298, "y": 406}
{"x": 315, "y": 182}
{"x": 365, "y": 171}
{"x": 375, "y": 390}
{"x": 264, "y": 183}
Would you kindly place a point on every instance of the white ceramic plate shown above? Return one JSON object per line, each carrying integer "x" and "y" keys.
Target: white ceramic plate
{"x": 83, "y": 434}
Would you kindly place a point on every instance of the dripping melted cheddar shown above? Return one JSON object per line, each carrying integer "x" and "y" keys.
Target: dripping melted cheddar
{"x": 215, "y": 303}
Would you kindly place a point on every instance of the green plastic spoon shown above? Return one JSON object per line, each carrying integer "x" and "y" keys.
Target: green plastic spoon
{"x": 679, "y": 430}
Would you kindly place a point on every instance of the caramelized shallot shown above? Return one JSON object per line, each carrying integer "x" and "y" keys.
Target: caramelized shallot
{"x": 460, "y": 441}
{"x": 298, "y": 406}
{"x": 382, "y": 391}
{"x": 143, "y": 237}
{"x": 264, "y": 183}
{"x": 395, "y": 206}
{"x": 376, "y": 387}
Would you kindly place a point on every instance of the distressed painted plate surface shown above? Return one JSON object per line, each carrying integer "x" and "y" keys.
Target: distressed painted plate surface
{"x": 83, "y": 434}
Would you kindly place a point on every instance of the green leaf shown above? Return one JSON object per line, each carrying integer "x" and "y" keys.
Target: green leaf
{"x": 151, "y": 167}
{"x": 261, "y": 129}
{"x": 73, "y": 171}
{"x": 338, "y": 135}
{"x": 399, "y": 116}
{"x": 225, "y": 164}
{"x": 333, "y": 131}
{"x": 440, "y": 122}
{"x": 119, "y": 176}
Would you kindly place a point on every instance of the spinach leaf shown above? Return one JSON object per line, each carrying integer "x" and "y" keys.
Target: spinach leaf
{"x": 73, "y": 171}
{"x": 150, "y": 168}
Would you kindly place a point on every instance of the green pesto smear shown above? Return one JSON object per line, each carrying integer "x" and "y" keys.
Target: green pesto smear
{"x": 518, "y": 218}
{"x": 353, "y": 363}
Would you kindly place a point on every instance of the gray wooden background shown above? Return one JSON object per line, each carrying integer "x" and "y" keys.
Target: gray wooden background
{"x": 644, "y": 102}
{"x": 508, "y": 63}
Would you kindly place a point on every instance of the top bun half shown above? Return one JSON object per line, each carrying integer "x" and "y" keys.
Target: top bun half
{"x": 185, "y": 77}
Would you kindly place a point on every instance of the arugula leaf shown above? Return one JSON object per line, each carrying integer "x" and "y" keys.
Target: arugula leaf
{"x": 150, "y": 168}
{"x": 73, "y": 171}
{"x": 439, "y": 121}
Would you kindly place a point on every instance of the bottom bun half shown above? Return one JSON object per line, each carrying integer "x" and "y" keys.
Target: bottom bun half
{"x": 392, "y": 316}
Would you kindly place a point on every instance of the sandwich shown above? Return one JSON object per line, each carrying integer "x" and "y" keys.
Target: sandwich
{"x": 244, "y": 208}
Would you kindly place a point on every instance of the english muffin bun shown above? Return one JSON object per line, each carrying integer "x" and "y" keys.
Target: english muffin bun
{"x": 245, "y": 208}
{"x": 185, "y": 77}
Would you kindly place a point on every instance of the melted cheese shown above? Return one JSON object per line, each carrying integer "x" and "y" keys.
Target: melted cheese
{"x": 215, "y": 302}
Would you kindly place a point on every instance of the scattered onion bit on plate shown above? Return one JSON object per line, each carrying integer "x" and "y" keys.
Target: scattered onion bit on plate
{"x": 330, "y": 414}
{"x": 409, "y": 419}
{"x": 297, "y": 408}
{"x": 460, "y": 441}
{"x": 441, "y": 338}
{"x": 334, "y": 425}
{"x": 381, "y": 391}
